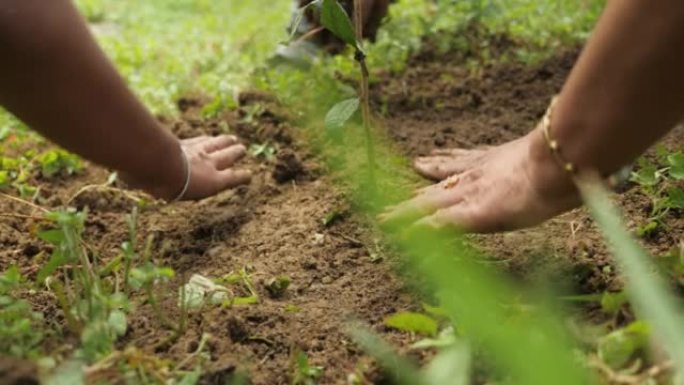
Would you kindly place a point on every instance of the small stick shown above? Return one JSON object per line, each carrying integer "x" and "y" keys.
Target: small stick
{"x": 24, "y": 202}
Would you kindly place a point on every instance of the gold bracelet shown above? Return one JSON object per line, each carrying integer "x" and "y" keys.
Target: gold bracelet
{"x": 554, "y": 146}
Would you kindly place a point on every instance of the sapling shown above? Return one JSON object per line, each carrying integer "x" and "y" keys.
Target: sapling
{"x": 336, "y": 20}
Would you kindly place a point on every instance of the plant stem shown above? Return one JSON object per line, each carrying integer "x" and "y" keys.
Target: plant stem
{"x": 71, "y": 322}
{"x": 364, "y": 93}
{"x": 157, "y": 309}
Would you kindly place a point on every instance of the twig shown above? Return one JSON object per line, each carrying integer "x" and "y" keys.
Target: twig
{"x": 21, "y": 216}
{"x": 629, "y": 379}
{"x": 24, "y": 202}
{"x": 353, "y": 241}
{"x": 310, "y": 34}
{"x": 103, "y": 187}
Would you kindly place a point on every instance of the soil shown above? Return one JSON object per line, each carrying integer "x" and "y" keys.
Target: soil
{"x": 275, "y": 226}
{"x": 271, "y": 228}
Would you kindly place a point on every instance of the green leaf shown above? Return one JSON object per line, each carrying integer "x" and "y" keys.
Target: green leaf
{"x": 675, "y": 198}
{"x": 676, "y": 162}
{"x": 191, "y": 378}
{"x": 54, "y": 237}
{"x": 117, "y": 321}
{"x": 619, "y": 347}
{"x": 340, "y": 113}
{"x": 413, "y": 322}
{"x": 647, "y": 175}
{"x": 336, "y": 20}
{"x": 446, "y": 338}
{"x": 56, "y": 260}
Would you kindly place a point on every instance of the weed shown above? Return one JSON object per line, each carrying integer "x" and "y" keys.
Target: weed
{"x": 659, "y": 182}
{"x": 277, "y": 286}
{"x": 92, "y": 310}
{"x": 264, "y": 150}
{"x": 304, "y": 372}
{"x": 58, "y": 162}
{"x": 20, "y": 326}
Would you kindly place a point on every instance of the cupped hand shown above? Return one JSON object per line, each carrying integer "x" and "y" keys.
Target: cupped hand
{"x": 497, "y": 189}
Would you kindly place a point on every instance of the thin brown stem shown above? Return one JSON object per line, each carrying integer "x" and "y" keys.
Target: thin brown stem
{"x": 24, "y": 202}
{"x": 364, "y": 92}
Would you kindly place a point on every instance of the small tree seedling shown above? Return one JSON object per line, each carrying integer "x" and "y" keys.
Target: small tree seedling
{"x": 334, "y": 18}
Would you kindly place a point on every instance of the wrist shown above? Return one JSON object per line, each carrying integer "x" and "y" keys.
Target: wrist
{"x": 547, "y": 175}
{"x": 168, "y": 173}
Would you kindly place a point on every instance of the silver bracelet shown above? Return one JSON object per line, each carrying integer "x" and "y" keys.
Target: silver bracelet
{"x": 187, "y": 170}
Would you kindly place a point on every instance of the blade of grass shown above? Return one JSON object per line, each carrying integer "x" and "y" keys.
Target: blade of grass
{"x": 648, "y": 292}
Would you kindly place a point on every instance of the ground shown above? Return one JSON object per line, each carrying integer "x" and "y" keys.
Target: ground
{"x": 297, "y": 220}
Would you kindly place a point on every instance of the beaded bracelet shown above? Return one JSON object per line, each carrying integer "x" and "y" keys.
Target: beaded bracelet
{"x": 554, "y": 146}
{"x": 614, "y": 180}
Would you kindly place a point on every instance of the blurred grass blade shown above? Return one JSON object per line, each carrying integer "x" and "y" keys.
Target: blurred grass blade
{"x": 532, "y": 346}
{"x": 403, "y": 371}
{"x": 648, "y": 292}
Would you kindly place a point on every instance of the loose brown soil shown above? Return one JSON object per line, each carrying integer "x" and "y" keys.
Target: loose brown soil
{"x": 273, "y": 227}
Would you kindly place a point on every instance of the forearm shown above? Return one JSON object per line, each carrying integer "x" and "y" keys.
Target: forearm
{"x": 56, "y": 79}
{"x": 627, "y": 89}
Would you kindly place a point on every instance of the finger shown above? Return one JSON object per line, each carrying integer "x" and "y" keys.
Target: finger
{"x": 195, "y": 140}
{"x": 218, "y": 143}
{"x": 437, "y": 168}
{"x": 441, "y": 167}
{"x": 449, "y": 151}
{"x": 226, "y": 157}
{"x": 231, "y": 178}
{"x": 422, "y": 205}
{"x": 455, "y": 216}
{"x": 464, "y": 218}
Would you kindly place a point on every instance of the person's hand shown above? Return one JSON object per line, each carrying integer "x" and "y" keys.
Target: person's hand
{"x": 501, "y": 188}
{"x": 211, "y": 161}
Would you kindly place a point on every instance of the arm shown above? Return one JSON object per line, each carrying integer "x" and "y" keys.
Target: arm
{"x": 627, "y": 89}
{"x": 56, "y": 79}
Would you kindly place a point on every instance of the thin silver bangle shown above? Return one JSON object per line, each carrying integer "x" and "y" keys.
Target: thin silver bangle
{"x": 187, "y": 170}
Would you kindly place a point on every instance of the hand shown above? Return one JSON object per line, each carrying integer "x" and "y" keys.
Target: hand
{"x": 502, "y": 188}
{"x": 211, "y": 161}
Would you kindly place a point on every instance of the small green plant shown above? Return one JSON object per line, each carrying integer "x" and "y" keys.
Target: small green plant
{"x": 334, "y": 18}
{"x": 265, "y": 150}
{"x": 91, "y": 308}
{"x": 277, "y": 286}
{"x": 304, "y": 372}
{"x": 20, "y": 332}
{"x": 659, "y": 181}
{"x": 56, "y": 161}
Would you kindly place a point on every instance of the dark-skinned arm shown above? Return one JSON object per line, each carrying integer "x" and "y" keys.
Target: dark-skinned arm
{"x": 56, "y": 79}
